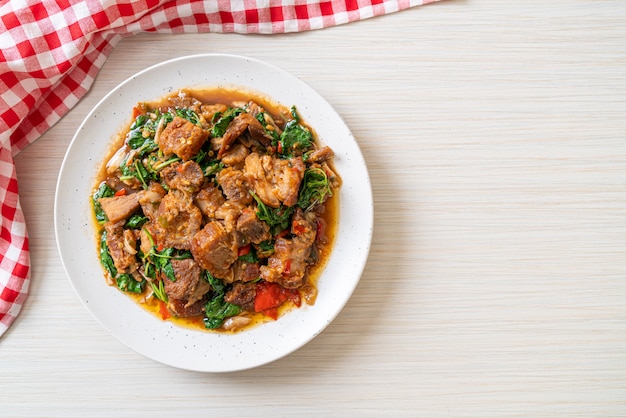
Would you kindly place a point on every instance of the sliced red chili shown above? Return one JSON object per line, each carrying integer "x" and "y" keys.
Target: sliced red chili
{"x": 272, "y": 313}
{"x": 137, "y": 111}
{"x": 245, "y": 250}
{"x": 269, "y": 297}
{"x": 165, "y": 313}
{"x": 287, "y": 270}
{"x": 298, "y": 228}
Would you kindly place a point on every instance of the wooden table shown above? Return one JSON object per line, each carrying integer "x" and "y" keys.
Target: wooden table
{"x": 495, "y": 136}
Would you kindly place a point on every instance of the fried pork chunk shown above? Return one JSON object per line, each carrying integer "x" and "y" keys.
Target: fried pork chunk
{"x": 182, "y": 138}
{"x": 215, "y": 250}
{"x": 276, "y": 181}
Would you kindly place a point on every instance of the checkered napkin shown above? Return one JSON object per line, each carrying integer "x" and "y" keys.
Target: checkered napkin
{"x": 51, "y": 52}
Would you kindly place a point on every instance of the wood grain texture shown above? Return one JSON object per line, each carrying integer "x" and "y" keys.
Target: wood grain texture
{"x": 495, "y": 136}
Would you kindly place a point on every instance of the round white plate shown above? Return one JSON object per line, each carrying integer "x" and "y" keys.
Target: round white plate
{"x": 161, "y": 340}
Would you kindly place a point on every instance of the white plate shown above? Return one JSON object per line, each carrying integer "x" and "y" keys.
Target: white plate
{"x": 161, "y": 340}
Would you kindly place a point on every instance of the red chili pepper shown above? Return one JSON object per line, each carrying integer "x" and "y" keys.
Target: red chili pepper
{"x": 320, "y": 233}
{"x": 165, "y": 313}
{"x": 287, "y": 270}
{"x": 137, "y": 111}
{"x": 245, "y": 250}
{"x": 120, "y": 192}
{"x": 269, "y": 296}
{"x": 298, "y": 228}
{"x": 279, "y": 148}
{"x": 271, "y": 312}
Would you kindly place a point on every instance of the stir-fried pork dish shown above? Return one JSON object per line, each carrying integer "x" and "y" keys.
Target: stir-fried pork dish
{"x": 218, "y": 207}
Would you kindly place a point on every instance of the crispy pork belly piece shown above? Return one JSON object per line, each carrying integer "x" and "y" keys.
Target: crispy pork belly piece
{"x": 182, "y": 138}
{"x": 183, "y": 99}
{"x": 181, "y": 309}
{"x": 287, "y": 266}
{"x": 118, "y": 208}
{"x": 123, "y": 259}
{"x": 235, "y": 156}
{"x": 275, "y": 181}
{"x": 259, "y": 133}
{"x": 251, "y": 229}
{"x": 322, "y": 154}
{"x": 235, "y": 129}
{"x": 145, "y": 243}
{"x": 150, "y": 199}
{"x": 187, "y": 176}
{"x": 215, "y": 250}
{"x": 245, "y": 272}
{"x": 229, "y": 213}
{"x": 177, "y": 219}
{"x": 209, "y": 199}
{"x": 189, "y": 286}
{"x": 242, "y": 294}
{"x": 234, "y": 185}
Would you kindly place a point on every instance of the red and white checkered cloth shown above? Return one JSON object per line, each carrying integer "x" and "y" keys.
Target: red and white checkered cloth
{"x": 51, "y": 52}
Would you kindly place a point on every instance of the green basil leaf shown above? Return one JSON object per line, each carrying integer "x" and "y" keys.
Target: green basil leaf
{"x": 135, "y": 222}
{"x": 294, "y": 138}
{"x": 219, "y": 129}
{"x": 217, "y": 309}
{"x": 188, "y": 114}
{"x": 168, "y": 270}
{"x": 315, "y": 189}
{"x": 105, "y": 256}
{"x": 217, "y": 285}
{"x": 276, "y": 218}
{"x": 127, "y": 283}
{"x": 103, "y": 191}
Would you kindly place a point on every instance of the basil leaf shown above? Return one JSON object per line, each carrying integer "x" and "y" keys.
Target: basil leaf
{"x": 294, "y": 138}
{"x": 219, "y": 129}
{"x": 103, "y": 191}
{"x": 105, "y": 256}
{"x": 315, "y": 189}
{"x": 213, "y": 168}
{"x": 188, "y": 114}
{"x": 168, "y": 270}
{"x": 294, "y": 114}
{"x": 127, "y": 283}
{"x": 276, "y": 218}
{"x": 135, "y": 138}
{"x": 161, "y": 261}
{"x": 217, "y": 309}
{"x": 266, "y": 248}
{"x": 216, "y": 284}
{"x": 270, "y": 132}
{"x": 135, "y": 222}
{"x": 137, "y": 170}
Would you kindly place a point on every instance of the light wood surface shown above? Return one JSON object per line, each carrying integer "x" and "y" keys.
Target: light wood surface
{"x": 495, "y": 136}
